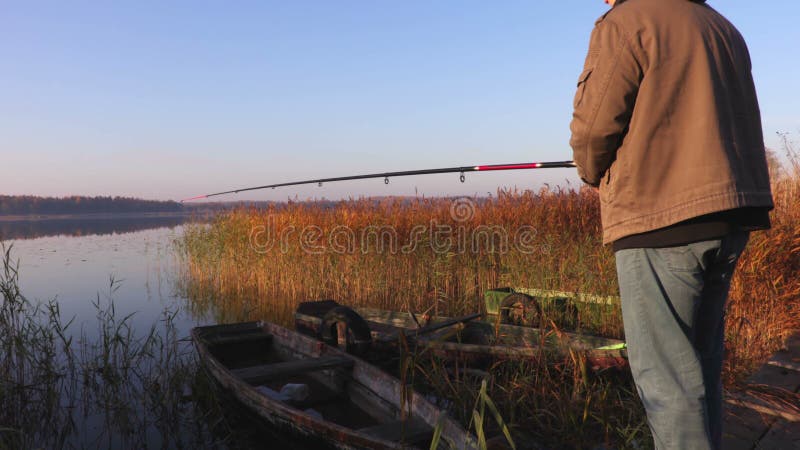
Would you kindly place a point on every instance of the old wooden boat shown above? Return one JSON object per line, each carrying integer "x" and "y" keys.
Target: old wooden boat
{"x": 458, "y": 338}
{"x": 300, "y": 386}
{"x": 498, "y": 299}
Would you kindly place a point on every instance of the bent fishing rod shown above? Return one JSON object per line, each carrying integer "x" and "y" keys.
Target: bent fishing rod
{"x": 387, "y": 175}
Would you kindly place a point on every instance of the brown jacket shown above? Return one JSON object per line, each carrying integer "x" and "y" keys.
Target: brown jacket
{"x": 666, "y": 118}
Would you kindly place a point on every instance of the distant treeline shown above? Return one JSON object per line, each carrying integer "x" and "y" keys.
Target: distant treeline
{"x": 29, "y": 204}
{"x": 20, "y": 205}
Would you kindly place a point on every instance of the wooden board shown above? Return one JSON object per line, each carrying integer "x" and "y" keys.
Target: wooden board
{"x": 752, "y": 422}
{"x": 409, "y": 431}
{"x": 414, "y": 333}
{"x": 265, "y": 372}
{"x": 239, "y": 338}
{"x": 230, "y": 328}
{"x": 762, "y": 406}
{"x": 782, "y": 436}
{"x": 777, "y": 377}
{"x": 609, "y": 300}
{"x": 742, "y": 427}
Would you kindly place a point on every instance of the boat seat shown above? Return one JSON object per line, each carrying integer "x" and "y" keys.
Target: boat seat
{"x": 239, "y": 338}
{"x": 231, "y": 327}
{"x": 410, "y": 431}
{"x": 265, "y": 372}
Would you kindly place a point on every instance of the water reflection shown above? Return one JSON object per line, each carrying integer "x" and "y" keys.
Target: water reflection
{"x": 126, "y": 339}
{"x": 85, "y": 226}
{"x": 78, "y": 272}
{"x": 135, "y": 382}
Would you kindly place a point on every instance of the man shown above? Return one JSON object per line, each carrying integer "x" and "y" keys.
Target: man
{"x": 667, "y": 126}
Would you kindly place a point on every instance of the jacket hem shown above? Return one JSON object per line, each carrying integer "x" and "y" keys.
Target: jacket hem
{"x": 685, "y": 211}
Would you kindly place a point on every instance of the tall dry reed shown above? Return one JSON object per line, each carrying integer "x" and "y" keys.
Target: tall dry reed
{"x": 404, "y": 254}
{"x": 345, "y": 252}
{"x": 387, "y": 254}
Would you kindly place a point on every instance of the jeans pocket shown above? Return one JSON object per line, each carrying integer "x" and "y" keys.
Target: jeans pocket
{"x": 679, "y": 259}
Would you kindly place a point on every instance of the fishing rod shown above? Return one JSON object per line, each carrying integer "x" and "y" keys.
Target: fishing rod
{"x": 387, "y": 175}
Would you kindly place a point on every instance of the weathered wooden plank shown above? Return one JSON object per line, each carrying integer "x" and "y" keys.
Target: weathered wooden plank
{"x": 516, "y": 335}
{"x": 307, "y": 324}
{"x": 776, "y": 377}
{"x": 742, "y": 427}
{"x": 265, "y": 372}
{"x": 753, "y": 422}
{"x": 396, "y": 318}
{"x": 781, "y": 436}
{"x": 239, "y": 338}
{"x": 444, "y": 324}
{"x": 433, "y": 327}
{"x": 786, "y": 362}
{"x": 230, "y": 328}
{"x": 410, "y": 431}
{"x": 575, "y": 296}
{"x": 762, "y": 406}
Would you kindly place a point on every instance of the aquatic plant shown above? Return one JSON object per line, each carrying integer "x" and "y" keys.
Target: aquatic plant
{"x": 122, "y": 389}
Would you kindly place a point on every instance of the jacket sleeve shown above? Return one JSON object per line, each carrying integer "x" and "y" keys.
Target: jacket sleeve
{"x": 604, "y": 101}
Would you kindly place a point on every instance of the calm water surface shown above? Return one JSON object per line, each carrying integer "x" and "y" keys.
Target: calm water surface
{"x": 135, "y": 266}
{"x": 78, "y": 271}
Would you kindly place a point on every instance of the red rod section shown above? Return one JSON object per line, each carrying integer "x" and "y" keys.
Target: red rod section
{"x": 194, "y": 198}
{"x": 508, "y": 167}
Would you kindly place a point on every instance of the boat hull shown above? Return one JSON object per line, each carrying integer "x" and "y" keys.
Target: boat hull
{"x": 377, "y": 395}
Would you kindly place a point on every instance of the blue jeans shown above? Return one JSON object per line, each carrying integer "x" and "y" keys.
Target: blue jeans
{"x": 673, "y": 308}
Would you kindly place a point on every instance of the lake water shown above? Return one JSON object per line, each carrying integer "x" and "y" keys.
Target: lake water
{"x": 77, "y": 271}
{"x": 85, "y": 266}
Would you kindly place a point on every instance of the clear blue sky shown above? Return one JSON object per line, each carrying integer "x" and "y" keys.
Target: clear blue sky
{"x": 168, "y": 99}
